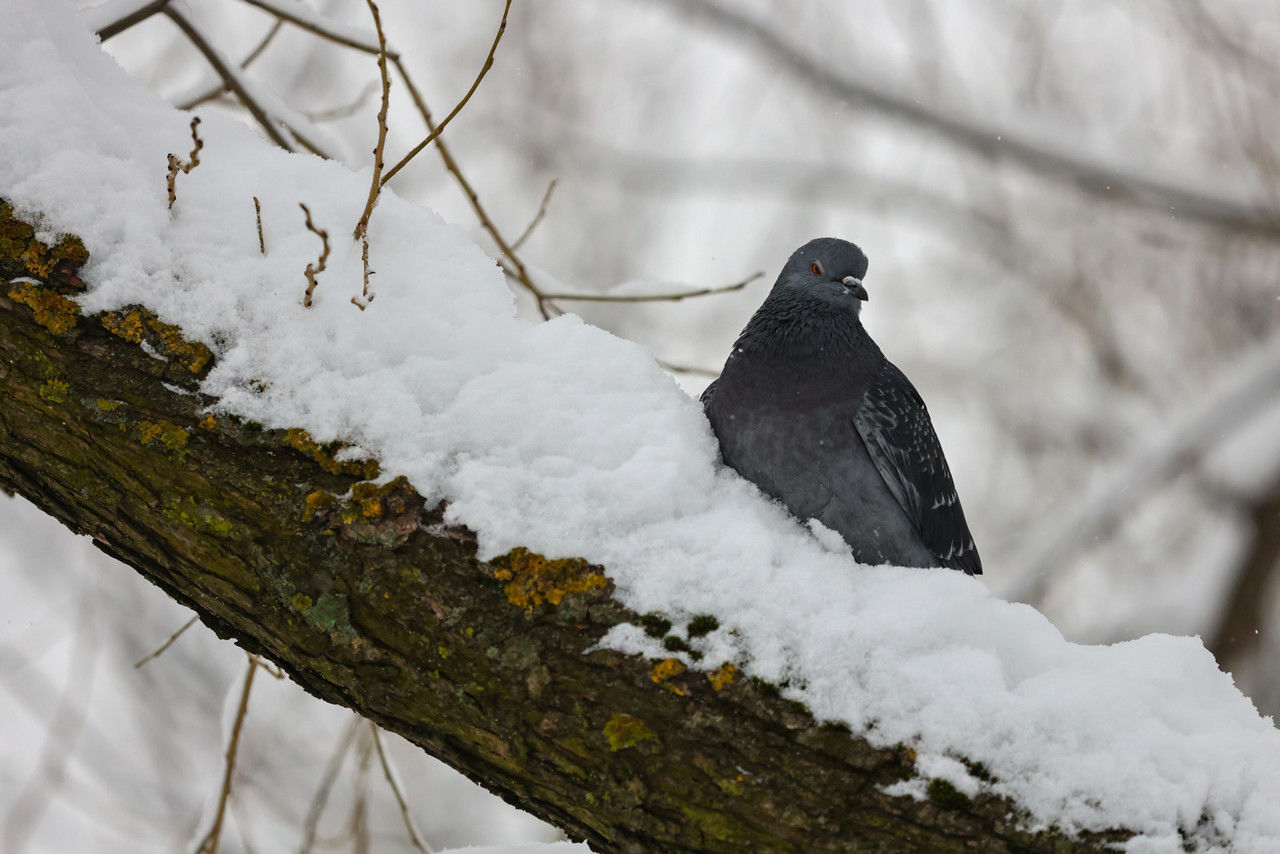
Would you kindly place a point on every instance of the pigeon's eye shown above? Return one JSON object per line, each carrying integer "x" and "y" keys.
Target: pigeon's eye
{"x": 815, "y": 268}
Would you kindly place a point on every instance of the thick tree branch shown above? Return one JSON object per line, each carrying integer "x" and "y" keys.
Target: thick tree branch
{"x": 366, "y": 599}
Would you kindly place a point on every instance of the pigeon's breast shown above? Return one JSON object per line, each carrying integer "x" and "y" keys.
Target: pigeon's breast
{"x": 797, "y": 441}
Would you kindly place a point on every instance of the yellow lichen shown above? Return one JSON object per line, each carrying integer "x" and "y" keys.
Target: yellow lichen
{"x": 301, "y": 440}
{"x": 107, "y": 405}
{"x": 625, "y": 731}
{"x": 665, "y": 669}
{"x": 533, "y": 579}
{"x": 208, "y": 422}
{"x": 301, "y": 602}
{"x": 136, "y": 325}
{"x": 18, "y": 244}
{"x": 722, "y": 676}
{"x": 171, "y": 436}
{"x": 316, "y": 502}
{"x": 54, "y": 391}
{"x": 52, "y": 310}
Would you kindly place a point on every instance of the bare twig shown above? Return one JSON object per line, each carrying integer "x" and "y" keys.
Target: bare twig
{"x": 230, "y": 78}
{"x": 361, "y": 232}
{"x": 537, "y": 218}
{"x": 218, "y": 88}
{"x": 514, "y": 267}
{"x": 209, "y": 845}
{"x": 303, "y": 18}
{"x": 346, "y": 110}
{"x": 317, "y": 268}
{"x": 360, "y": 812}
{"x": 362, "y": 226}
{"x": 668, "y": 297}
{"x": 687, "y": 369}
{"x": 120, "y": 15}
{"x": 173, "y": 638}
{"x": 415, "y": 837}
{"x": 257, "y": 210}
{"x": 185, "y": 167}
{"x": 436, "y": 131}
{"x": 321, "y": 799}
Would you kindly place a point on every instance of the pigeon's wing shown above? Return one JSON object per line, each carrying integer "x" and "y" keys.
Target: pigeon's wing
{"x": 707, "y": 392}
{"x": 894, "y": 425}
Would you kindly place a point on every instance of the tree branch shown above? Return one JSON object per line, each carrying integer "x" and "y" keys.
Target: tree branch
{"x": 361, "y": 594}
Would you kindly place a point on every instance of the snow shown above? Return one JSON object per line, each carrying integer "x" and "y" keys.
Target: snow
{"x": 562, "y": 438}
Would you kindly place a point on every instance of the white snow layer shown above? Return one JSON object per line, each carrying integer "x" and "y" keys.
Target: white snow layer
{"x": 565, "y": 439}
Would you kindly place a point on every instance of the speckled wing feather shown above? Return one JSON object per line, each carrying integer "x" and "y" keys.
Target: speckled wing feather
{"x": 894, "y": 424}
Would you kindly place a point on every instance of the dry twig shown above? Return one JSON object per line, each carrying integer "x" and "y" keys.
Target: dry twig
{"x": 669, "y": 297}
{"x": 209, "y": 845}
{"x": 537, "y": 218}
{"x": 221, "y": 86}
{"x": 321, "y": 799}
{"x": 173, "y": 638}
{"x": 361, "y": 232}
{"x": 343, "y": 111}
{"x": 185, "y": 167}
{"x": 230, "y": 77}
{"x": 436, "y": 131}
{"x": 415, "y": 836}
{"x": 317, "y": 268}
{"x": 257, "y": 210}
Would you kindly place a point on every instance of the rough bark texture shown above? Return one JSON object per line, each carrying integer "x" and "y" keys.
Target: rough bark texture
{"x": 368, "y": 602}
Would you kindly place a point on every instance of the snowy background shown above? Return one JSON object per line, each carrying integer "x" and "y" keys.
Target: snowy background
{"x": 1063, "y": 339}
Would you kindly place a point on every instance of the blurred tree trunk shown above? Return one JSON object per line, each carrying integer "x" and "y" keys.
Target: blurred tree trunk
{"x": 362, "y": 595}
{"x": 1243, "y": 617}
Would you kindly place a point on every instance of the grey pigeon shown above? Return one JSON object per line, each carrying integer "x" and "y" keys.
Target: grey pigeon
{"x": 809, "y": 409}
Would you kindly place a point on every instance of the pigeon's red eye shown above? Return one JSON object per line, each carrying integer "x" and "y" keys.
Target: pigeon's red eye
{"x": 815, "y": 268}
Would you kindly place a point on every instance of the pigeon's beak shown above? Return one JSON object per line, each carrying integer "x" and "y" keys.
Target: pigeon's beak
{"x": 854, "y": 285}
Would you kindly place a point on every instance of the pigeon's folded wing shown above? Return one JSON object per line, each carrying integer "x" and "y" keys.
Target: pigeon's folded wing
{"x": 894, "y": 425}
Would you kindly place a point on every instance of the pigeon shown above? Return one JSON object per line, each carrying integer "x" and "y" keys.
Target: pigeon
{"x": 810, "y": 410}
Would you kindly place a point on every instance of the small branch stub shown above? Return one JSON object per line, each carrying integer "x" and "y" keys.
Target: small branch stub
{"x": 257, "y": 211}
{"x": 361, "y": 232}
{"x": 315, "y": 269}
{"x": 176, "y": 165}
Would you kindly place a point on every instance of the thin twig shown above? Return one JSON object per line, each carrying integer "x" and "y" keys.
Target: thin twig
{"x": 209, "y": 845}
{"x": 136, "y": 16}
{"x": 218, "y": 88}
{"x": 436, "y": 131}
{"x": 176, "y": 165}
{"x": 687, "y": 369}
{"x": 229, "y": 77}
{"x": 669, "y": 297}
{"x": 173, "y": 638}
{"x": 313, "y": 24}
{"x": 330, "y": 776}
{"x": 414, "y": 835}
{"x": 537, "y": 218}
{"x": 257, "y": 210}
{"x": 516, "y": 268}
{"x": 343, "y": 111}
{"x": 317, "y": 268}
{"x": 316, "y": 24}
{"x": 361, "y": 232}
{"x": 360, "y": 813}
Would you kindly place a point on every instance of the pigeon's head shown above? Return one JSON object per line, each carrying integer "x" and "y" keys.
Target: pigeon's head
{"x": 827, "y": 269}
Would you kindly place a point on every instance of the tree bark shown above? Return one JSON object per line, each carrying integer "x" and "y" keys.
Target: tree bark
{"x": 360, "y": 593}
